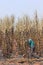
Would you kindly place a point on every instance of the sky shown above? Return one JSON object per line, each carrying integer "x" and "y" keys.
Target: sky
{"x": 21, "y": 7}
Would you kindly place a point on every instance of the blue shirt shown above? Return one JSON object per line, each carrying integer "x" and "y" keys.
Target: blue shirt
{"x": 31, "y": 43}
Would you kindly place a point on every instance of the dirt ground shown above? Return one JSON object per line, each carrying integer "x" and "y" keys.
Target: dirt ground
{"x": 20, "y": 61}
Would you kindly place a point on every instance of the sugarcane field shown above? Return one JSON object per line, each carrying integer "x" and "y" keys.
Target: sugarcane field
{"x": 22, "y": 43}
{"x": 21, "y": 32}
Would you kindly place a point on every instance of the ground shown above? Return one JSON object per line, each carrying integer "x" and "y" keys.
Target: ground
{"x": 21, "y": 61}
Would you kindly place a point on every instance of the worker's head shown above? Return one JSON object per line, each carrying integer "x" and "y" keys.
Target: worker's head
{"x": 30, "y": 39}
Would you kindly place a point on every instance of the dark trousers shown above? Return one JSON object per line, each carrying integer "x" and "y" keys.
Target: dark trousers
{"x": 31, "y": 52}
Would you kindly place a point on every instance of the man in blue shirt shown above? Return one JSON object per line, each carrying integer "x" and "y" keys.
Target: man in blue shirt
{"x": 31, "y": 44}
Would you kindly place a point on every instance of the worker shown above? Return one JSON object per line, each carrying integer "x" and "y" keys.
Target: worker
{"x": 31, "y": 44}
